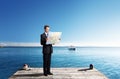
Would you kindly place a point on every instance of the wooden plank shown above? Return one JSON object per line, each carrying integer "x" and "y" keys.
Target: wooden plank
{"x": 59, "y": 73}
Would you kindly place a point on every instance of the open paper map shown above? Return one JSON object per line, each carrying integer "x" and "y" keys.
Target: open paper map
{"x": 54, "y": 37}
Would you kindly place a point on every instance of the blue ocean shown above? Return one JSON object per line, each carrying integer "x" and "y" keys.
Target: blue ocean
{"x": 105, "y": 59}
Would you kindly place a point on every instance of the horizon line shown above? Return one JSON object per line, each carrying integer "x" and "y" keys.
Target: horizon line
{"x": 76, "y": 44}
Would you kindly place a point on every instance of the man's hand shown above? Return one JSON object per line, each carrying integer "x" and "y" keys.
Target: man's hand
{"x": 53, "y": 44}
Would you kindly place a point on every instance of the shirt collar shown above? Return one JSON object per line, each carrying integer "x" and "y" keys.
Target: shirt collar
{"x": 46, "y": 33}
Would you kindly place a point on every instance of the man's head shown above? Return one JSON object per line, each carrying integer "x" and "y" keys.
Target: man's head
{"x": 46, "y": 28}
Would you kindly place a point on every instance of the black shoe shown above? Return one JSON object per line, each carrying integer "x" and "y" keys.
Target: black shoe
{"x": 50, "y": 73}
{"x": 45, "y": 75}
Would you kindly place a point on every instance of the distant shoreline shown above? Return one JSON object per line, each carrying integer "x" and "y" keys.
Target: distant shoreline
{"x": 59, "y": 46}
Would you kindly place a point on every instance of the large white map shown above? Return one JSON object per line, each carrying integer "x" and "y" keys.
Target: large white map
{"x": 54, "y": 37}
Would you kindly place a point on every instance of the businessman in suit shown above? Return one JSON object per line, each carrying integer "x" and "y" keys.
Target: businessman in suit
{"x": 47, "y": 50}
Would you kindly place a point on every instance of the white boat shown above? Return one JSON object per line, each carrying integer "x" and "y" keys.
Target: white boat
{"x": 72, "y": 48}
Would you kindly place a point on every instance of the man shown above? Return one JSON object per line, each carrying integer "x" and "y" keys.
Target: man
{"x": 47, "y": 51}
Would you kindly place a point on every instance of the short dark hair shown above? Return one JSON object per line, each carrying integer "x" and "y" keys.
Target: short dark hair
{"x": 45, "y": 26}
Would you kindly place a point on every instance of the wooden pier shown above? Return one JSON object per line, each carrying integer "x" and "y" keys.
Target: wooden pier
{"x": 59, "y": 73}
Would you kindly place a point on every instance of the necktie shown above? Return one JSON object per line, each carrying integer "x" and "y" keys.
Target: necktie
{"x": 47, "y": 34}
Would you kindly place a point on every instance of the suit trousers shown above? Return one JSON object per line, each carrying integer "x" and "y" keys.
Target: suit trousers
{"x": 46, "y": 63}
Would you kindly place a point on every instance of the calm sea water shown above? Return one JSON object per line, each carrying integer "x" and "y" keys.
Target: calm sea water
{"x": 106, "y": 60}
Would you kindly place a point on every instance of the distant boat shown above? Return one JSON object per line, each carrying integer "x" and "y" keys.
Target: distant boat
{"x": 72, "y": 48}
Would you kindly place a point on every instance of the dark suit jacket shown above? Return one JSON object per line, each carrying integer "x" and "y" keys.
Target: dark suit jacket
{"x": 47, "y": 49}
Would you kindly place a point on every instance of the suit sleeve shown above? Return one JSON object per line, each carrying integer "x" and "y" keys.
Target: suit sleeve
{"x": 43, "y": 40}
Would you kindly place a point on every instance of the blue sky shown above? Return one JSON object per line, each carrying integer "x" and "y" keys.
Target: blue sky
{"x": 84, "y": 21}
